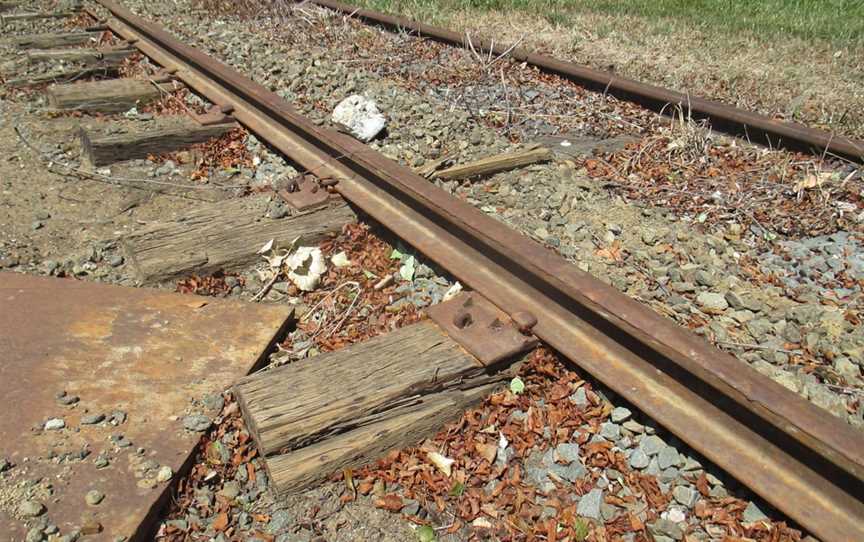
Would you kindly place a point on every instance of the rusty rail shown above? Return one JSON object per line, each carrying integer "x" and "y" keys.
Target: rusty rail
{"x": 807, "y": 463}
{"x": 732, "y": 120}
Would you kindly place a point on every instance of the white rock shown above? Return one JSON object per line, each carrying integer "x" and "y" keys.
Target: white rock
{"x": 306, "y": 265}
{"x": 361, "y": 116}
{"x": 164, "y": 474}
{"x": 54, "y": 424}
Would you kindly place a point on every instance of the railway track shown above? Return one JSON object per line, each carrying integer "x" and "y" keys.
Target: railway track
{"x": 756, "y": 128}
{"x": 768, "y": 438}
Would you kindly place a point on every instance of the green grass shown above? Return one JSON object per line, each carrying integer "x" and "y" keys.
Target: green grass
{"x": 839, "y": 22}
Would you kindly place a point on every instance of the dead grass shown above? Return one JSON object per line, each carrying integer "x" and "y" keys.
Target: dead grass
{"x": 805, "y": 79}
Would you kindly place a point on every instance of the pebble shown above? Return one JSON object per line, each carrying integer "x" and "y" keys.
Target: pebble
{"x": 579, "y": 398}
{"x": 652, "y": 445}
{"x": 54, "y": 424}
{"x": 36, "y": 534}
{"x": 31, "y": 509}
{"x": 213, "y": 402}
{"x": 115, "y": 260}
{"x": 712, "y": 302}
{"x": 639, "y": 459}
{"x": 121, "y": 441}
{"x": 279, "y": 520}
{"x": 197, "y": 422}
{"x": 668, "y": 457}
{"x": 685, "y": 496}
{"x": 567, "y": 452}
{"x": 753, "y": 514}
{"x": 67, "y": 400}
{"x": 610, "y": 431}
{"x": 589, "y": 504}
{"x": 665, "y": 527}
{"x": 230, "y": 490}
{"x": 94, "y": 497}
{"x": 146, "y": 483}
{"x": 620, "y": 414}
{"x": 361, "y": 116}
{"x": 4, "y": 465}
{"x": 164, "y": 474}
{"x": 92, "y": 419}
{"x": 633, "y": 426}
{"x": 411, "y": 507}
{"x": 118, "y": 417}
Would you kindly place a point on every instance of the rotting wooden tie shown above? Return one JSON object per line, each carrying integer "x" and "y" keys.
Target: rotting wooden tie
{"x": 103, "y": 149}
{"x": 63, "y": 76}
{"x": 223, "y": 236}
{"x": 50, "y": 40}
{"x": 111, "y": 96}
{"x": 35, "y": 16}
{"x": 107, "y": 56}
{"x": 349, "y": 407}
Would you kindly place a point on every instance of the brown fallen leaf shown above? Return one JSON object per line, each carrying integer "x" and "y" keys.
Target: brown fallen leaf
{"x": 390, "y": 502}
{"x": 221, "y": 522}
{"x": 487, "y": 451}
{"x": 365, "y": 487}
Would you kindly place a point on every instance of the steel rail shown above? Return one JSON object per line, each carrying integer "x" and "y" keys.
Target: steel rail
{"x": 802, "y": 460}
{"x": 732, "y": 120}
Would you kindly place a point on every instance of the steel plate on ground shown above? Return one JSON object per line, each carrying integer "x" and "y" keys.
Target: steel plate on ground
{"x": 149, "y": 354}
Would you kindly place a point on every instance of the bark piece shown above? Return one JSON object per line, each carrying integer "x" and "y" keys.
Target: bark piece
{"x": 495, "y": 164}
{"x": 111, "y": 96}
{"x": 103, "y": 149}
{"x": 347, "y": 408}
{"x": 87, "y": 56}
{"x": 223, "y": 236}
{"x": 47, "y": 41}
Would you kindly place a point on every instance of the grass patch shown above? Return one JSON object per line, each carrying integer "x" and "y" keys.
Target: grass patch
{"x": 839, "y": 22}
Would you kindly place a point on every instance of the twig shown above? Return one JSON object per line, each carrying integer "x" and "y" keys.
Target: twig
{"x": 756, "y": 347}
{"x": 266, "y": 288}
{"x": 345, "y": 315}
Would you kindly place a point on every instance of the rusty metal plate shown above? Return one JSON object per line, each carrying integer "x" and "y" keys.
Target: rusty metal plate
{"x": 214, "y": 115}
{"x": 146, "y": 353}
{"x": 305, "y": 193}
{"x": 481, "y": 328}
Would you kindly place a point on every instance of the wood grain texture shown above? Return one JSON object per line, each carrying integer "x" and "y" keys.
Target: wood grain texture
{"x": 222, "y": 236}
{"x": 495, "y": 164}
{"x": 405, "y": 426}
{"x": 35, "y": 16}
{"x": 87, "y": 56}
{"x": 102, "y": 149}
{"x": 111, "y": 96}
{"x": 49, "y": 40}
{"x": 64, "y": 76}
{"x": 348, "y": 407}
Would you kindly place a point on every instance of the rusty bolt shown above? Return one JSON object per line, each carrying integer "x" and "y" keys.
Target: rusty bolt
{"x": 525, "y": 321}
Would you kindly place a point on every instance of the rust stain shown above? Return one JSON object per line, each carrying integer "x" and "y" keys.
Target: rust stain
{"x": 145, "y": 352}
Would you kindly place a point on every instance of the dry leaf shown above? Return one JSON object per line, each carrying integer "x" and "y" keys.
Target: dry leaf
{"x": 481, "y": 523}
{"x": 487, "y": 451}
{"x": 444, "y": 464}
{"x": 611, "y": 253}
{"x": 390, "y": 502}
{"x": 221, "y": 522}
{"x": 813, "y": 180}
